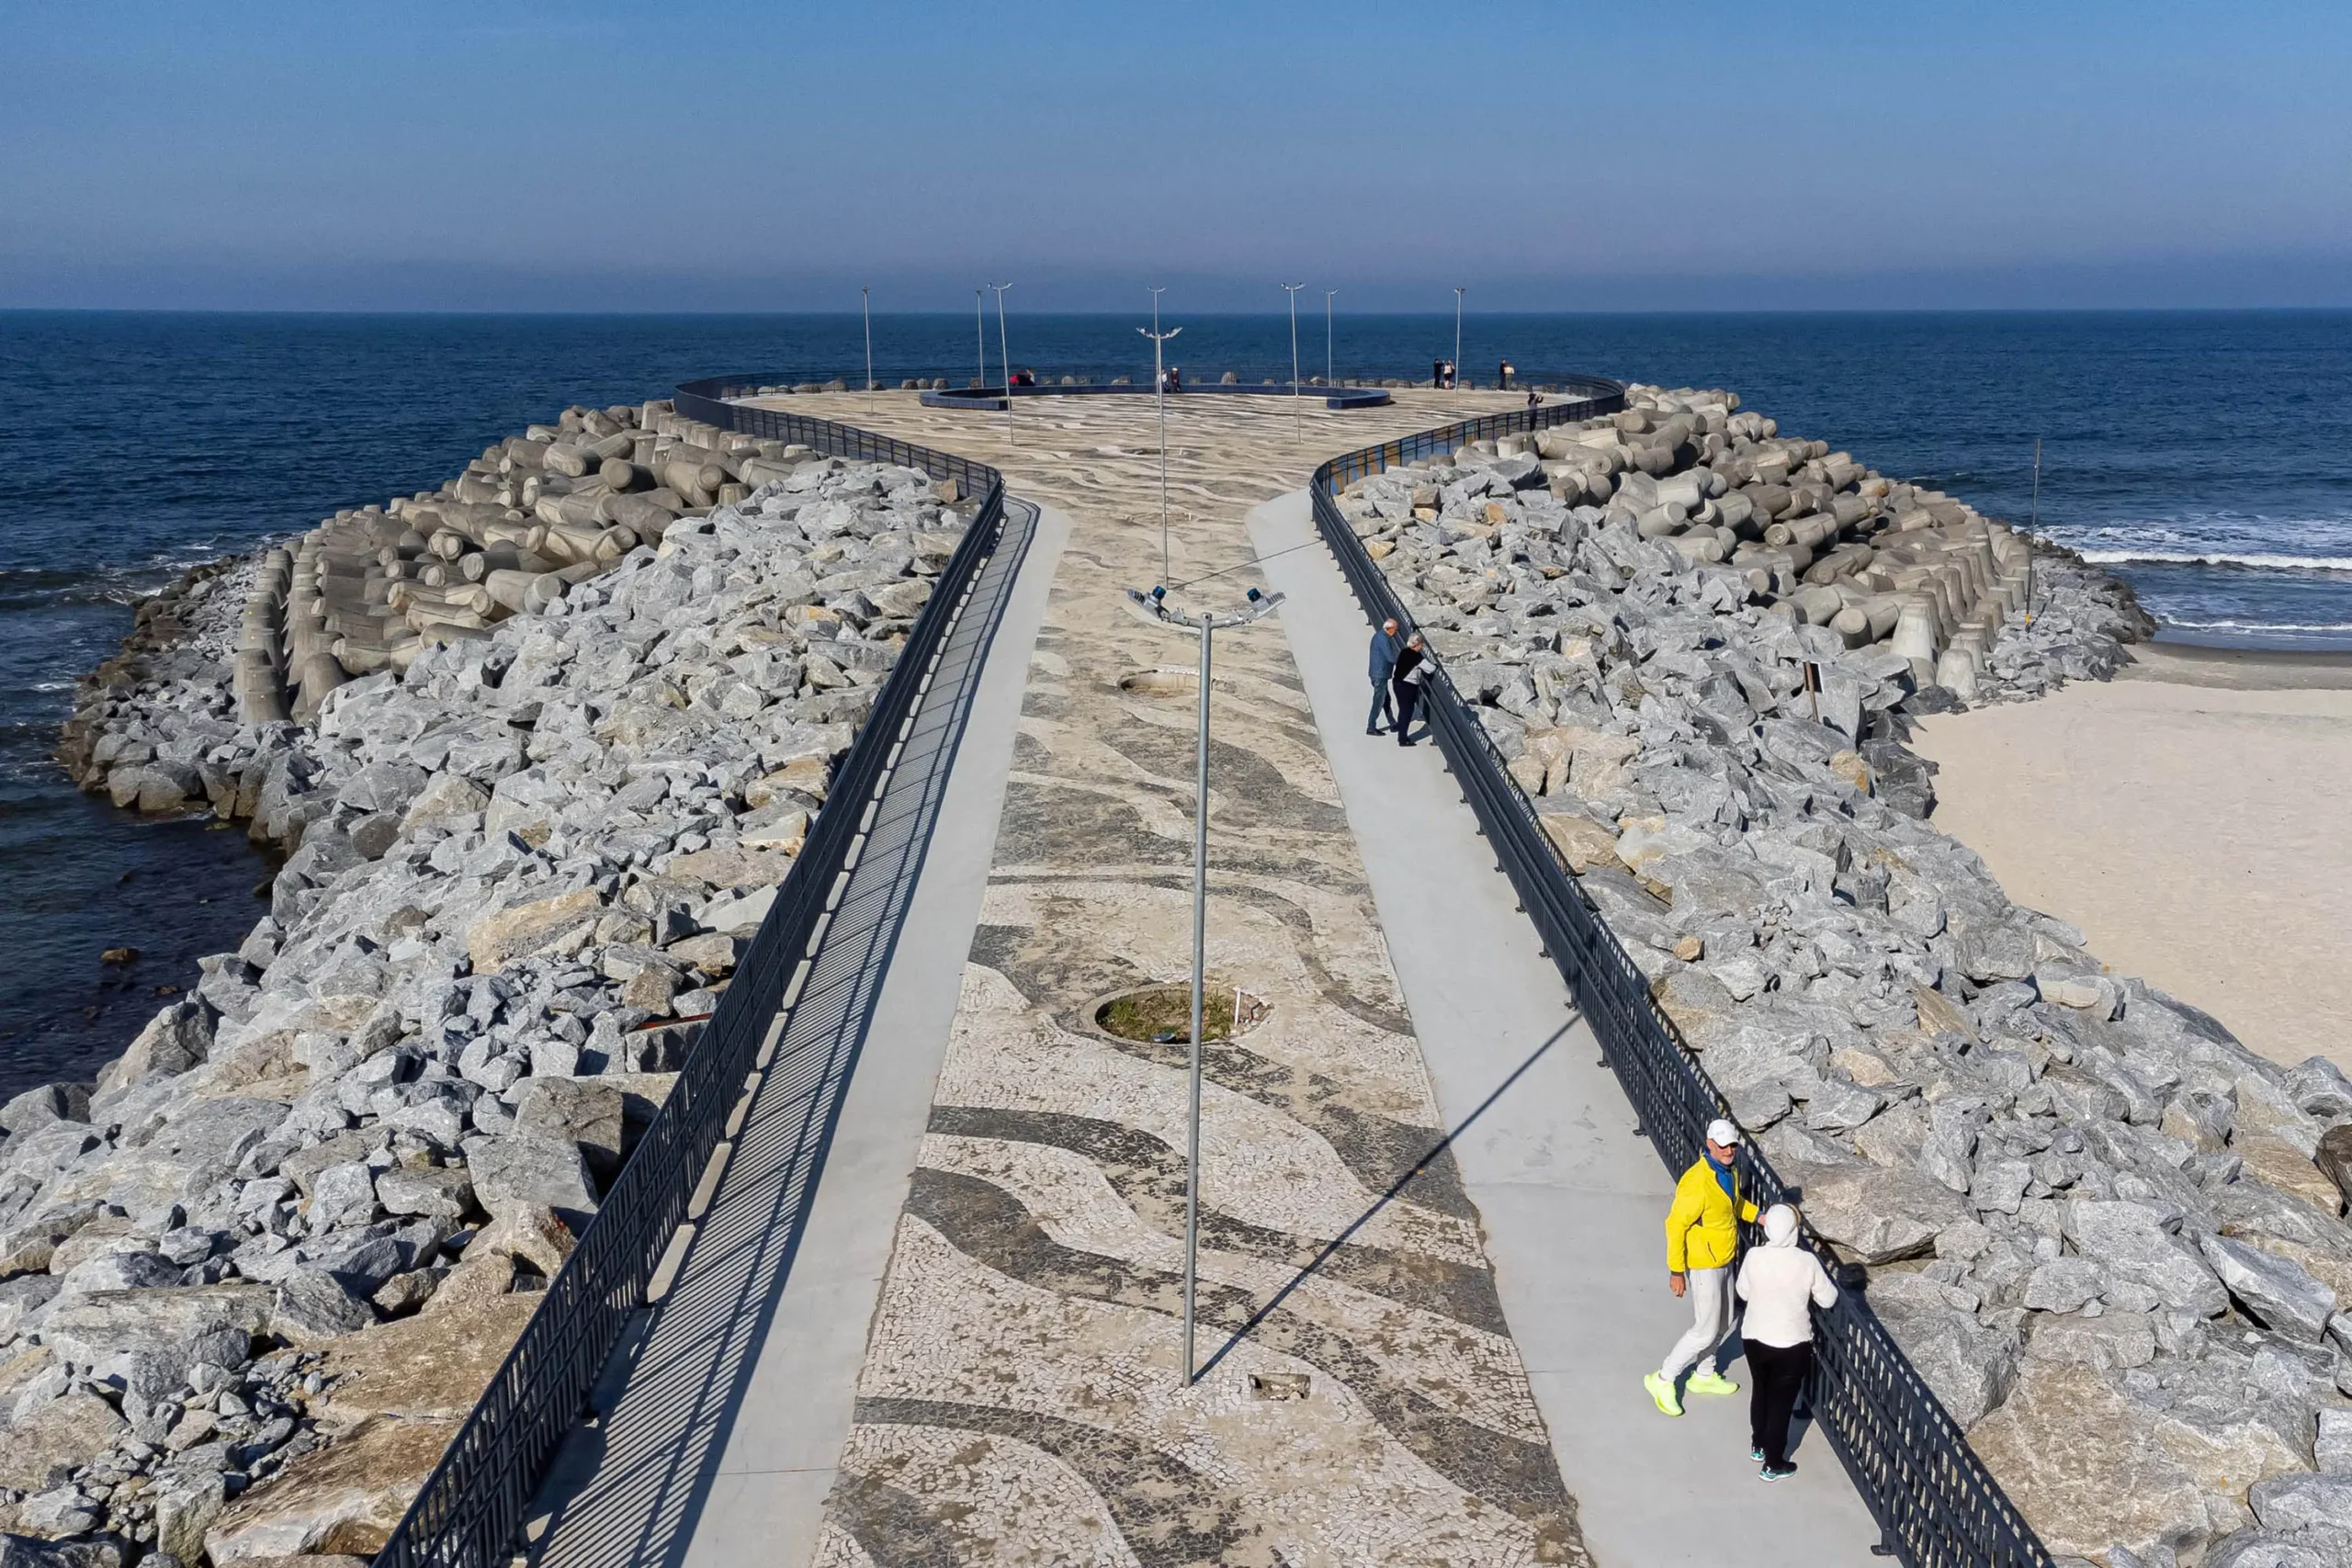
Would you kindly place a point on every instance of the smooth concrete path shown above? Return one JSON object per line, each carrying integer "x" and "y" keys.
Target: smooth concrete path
{"x": 768, "y": 1376}
{"x": 768, "y": 1499}
{"x": 1570, "y": 1198}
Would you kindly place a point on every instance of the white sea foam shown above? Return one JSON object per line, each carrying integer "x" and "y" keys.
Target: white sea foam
{"x": 2296, "y": 627}
{"x": 2259, "y": 625}
{"x": 2220, "y": 558}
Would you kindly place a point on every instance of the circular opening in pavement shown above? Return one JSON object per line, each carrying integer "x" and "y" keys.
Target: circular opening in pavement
{"x": 1163, "y": 1014}
{"x": 1164, "y": 680}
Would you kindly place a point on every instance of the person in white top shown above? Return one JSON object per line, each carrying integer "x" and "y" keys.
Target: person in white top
{"x": 1781, "y": 1283}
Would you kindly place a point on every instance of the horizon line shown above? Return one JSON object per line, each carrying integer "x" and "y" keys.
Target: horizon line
{"x": 853, "y": 313}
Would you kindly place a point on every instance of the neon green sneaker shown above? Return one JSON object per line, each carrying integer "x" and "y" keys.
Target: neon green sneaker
{"x": 1661, "y": 1393}
{"x": 1709, "y": 1382}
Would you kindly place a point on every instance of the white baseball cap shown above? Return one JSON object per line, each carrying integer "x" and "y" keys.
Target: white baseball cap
{"x": 1721, "y": 1131}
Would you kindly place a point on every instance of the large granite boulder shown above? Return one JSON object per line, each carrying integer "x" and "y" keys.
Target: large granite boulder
{"x": 524, "y": 1170}
{"x": 2092, "y": 1469}
{"x": 43, "y": 1445}
{"x": 204, "y": 1323}
{"x": 2130, "y": 1241}
{"x": 345, "y": 1497}
{"x": 1875, "y": 1215}
{"x": 418, "y": 1368}
{"x": 2276, "y": 1293}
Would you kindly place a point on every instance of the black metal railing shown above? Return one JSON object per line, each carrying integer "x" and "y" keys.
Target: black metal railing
{"x": 1935, "y": 1502}
{"x": 473, "y": 1507}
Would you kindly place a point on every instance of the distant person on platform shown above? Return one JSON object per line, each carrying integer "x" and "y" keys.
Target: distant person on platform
{"x": 1437, "y": 374}
{"x": 1503, "y": 375}
{"x": 1405, "y": 680}
{"x": 1702, "y": 1241}
{"x": 1534, "y": 399}
{"x": 1782, "y": 1283}
{"x": 1173, "y": 381}
{"x": 1385, "y": 648}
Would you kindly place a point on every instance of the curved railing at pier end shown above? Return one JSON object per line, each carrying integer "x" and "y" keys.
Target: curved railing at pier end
{"x": 471, "y": 1510}
{"x": 1935, "y": 1502}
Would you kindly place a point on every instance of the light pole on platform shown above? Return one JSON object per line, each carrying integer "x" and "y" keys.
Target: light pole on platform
{"x": 980, "y": 333}
{"x": 1004, "y": 354}
{"x": 1327, "y": 293}
{"x": 868, "y": 295}
{"x": 1159, "y": 394}
{"x": 1292, "y": 290}
{"x": 1154, "y": 606}
{"x": 1458, "y": 292}
{"x": 2033, "y": 526}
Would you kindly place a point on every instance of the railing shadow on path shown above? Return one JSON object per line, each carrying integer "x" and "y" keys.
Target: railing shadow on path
{"x": 647, "y": 1465}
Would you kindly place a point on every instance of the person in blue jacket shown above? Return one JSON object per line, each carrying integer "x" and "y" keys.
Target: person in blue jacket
{"x": 1384, "y": 644}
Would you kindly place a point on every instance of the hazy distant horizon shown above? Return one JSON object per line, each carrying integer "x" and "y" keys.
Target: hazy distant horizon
{"x": 1113, "y": 312}
{"x": 592, "y": 156}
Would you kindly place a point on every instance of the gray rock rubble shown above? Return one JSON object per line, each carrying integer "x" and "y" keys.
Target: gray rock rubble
{"x": 520, "y": 864}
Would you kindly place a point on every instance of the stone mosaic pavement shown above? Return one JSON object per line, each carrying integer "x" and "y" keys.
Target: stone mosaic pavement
{"x": 1020, "y": 1401}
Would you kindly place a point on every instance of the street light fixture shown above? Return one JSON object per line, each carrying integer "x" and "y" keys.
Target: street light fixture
{"x": 1005, "y": 354}
{"x": 1457, "y": 334}
{"x": 1292, "y": 290}
{"x": 1154, "y": 606}
{"x": 1159, "y": 393}
{"x": 981, "y": 335}
{"x": 867, "y": 294}
{"x": 1327, "y": 337}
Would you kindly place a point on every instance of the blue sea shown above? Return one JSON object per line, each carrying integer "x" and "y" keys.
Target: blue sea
{"x": 2208, "y": 456}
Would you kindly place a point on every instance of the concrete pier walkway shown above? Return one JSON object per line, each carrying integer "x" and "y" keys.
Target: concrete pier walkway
{"x": 930, "y": 1315}
{"x": 1021, "y": 1402}
{"x": 1570, "y": 1200}
{"x": 720, "y": 1424}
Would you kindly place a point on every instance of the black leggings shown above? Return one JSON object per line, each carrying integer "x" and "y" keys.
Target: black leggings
{"x": 1778, "y": 1372}
{"x": 1408, "y": 697}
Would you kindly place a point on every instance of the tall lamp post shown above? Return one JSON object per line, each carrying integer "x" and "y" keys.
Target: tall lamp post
{"x": 1327, "y": 293}
{"x": 1005, "y": 354}
{"x": 1457, "y": 335}
{"x": 2033, "y": 526}
{"x": 1292, "y": 290}
{"x": 981, "y": 335}
{"x": 1159, "y": 394}
{"x": 867, "y": 294}
{"x": 1154, "y": 606}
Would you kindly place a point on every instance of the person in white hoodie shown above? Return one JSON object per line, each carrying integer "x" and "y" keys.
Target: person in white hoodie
{"x": 1782, "y": 1283}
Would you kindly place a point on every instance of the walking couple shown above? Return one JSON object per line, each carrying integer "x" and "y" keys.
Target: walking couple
{"x": 1398, "y": 668}
{"x": 1781, "y": 1283}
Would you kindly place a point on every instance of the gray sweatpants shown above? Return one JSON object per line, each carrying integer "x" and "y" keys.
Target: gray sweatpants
{"x": 1708, "y": 1292}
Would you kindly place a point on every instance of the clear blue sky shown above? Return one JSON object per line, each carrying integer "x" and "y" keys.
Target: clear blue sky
{"x": 692, "y": 157}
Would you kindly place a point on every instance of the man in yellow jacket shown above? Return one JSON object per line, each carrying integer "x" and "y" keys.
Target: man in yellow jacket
{"x": 1702, "y": 1243}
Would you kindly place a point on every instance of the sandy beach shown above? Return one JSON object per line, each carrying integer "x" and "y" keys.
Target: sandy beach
{"x": 2189, "y": 817}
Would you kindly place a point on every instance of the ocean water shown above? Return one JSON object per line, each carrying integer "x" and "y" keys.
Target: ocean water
{"x": 2208, "y": 456}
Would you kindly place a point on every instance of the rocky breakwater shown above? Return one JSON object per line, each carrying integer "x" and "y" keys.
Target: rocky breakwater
{"x": 2108, "y": 1235}
{"x": 253, "y": 1278}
